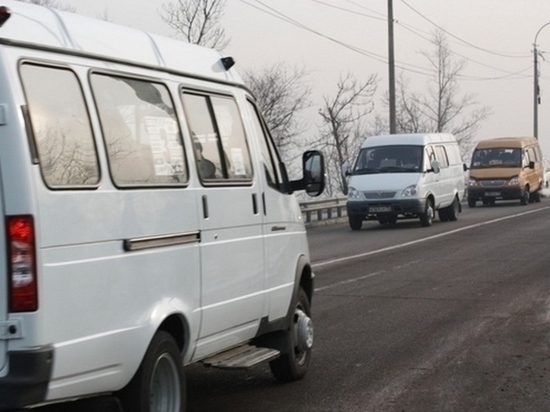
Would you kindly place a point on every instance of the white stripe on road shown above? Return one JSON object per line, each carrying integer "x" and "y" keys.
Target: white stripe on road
{"x": 386, "y": 249}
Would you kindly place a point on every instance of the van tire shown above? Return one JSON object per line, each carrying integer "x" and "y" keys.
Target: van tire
{"x": 426, "y": 218}
{"x": 443, "y": 214}
{"x": 453, "y": 210}
{"x": 160, "y": 378}
{"x": 293, "y": 363}
{"x": 525, "y": 197}
{"x": 471, "y": 202}
{"x": 355, "y": 222}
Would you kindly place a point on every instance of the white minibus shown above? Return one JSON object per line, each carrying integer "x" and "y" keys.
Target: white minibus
{"x": 148, "y": 221}
{"x": 406, "y": 176}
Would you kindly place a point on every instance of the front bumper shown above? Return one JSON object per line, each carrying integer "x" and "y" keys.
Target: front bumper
{"x": 404, "y": 207}
{"x": 503, "y": 193}
{"x": 28, "y": 378}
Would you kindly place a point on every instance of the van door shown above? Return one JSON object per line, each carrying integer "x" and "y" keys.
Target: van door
{"x": 3, "y": 288}
{"x": 232, "y": 260}
{"x": 445, "y": 187}
{"x": 285, "y": 239}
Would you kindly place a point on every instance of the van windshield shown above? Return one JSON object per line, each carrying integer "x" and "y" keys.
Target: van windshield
{"x": 389, "y": 159}
{"x": 496, "y": 157}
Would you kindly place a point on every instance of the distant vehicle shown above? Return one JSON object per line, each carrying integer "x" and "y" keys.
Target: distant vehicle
{"x": 546, "y": 163}
{"x": 147, "y": 221}
{"x": 506, "y": 168}
{"x": 406, "y": 176}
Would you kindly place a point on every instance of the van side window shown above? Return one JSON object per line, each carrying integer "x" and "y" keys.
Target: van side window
{"x": 140, "y": 131}
{"x": 270, "y": 156}
{"x": 61, "y": 126}
{"x": 218, "y": 136}
{"x": 441, "y": 155}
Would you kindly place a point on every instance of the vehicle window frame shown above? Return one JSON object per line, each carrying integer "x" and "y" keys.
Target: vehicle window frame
{"x": 36, "y": 149}
{"x": 123, "y": 76}
{"x": 223, "y": 180}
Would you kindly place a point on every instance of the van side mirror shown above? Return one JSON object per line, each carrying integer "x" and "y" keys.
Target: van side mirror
{"x": 345, "y": 170}
{"x": 313, "y": 180}
{"x": 435, "y": 167}
{"x": 465, "y": 167}
{"x": 531, "y": 165}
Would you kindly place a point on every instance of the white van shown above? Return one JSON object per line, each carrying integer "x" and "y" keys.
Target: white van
{"x": 148, "y": 221}
{"x": 406, "y": 176}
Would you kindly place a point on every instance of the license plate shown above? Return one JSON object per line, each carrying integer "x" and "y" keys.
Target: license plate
{"x": 379, "y": 209}
{"x": 494, "y": 194}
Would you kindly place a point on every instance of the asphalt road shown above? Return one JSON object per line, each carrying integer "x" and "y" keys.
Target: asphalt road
{"x": 453, "y": 317}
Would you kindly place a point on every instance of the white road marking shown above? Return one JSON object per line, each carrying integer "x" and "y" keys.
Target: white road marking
{"x": 402, "y": 245}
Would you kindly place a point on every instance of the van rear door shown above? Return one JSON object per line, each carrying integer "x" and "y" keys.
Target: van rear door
{"x": 4, "y": 301}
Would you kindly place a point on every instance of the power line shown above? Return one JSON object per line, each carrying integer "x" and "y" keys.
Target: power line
{"x": 462, "y": 40}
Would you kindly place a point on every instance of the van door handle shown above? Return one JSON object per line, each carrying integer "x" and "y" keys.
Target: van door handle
{"x": 254, "y": 204}
{"x": 205, "y": 207}
{"x": 278, "y": 228}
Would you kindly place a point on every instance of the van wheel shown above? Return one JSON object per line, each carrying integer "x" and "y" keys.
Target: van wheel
{"x": 159, "y": 383}
{"x": 443, "y": 214}
{"x": 355, "y": 222}
{"x": 536, "y": 196}
{"x": 426, "y": 218}
{"x": 293, "y": 363}
{"x": 471, "y": 202}
{"x": 453, "y": 210}
{"x": 525, "y": 197}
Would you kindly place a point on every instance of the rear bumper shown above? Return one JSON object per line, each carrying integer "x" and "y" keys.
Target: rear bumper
{"x": 27, "y": 380}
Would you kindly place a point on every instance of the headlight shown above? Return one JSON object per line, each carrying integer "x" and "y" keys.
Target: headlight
{"x": 514, "y": 181}
{"x": 410, "y": 191}
{"x": 354, "y": 194}
{"x": 472, "y": 182}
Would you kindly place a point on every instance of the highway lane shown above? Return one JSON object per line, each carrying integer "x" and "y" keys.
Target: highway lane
{"x": 452, "y": 317}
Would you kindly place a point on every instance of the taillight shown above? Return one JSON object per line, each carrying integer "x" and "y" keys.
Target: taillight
{"x": 23, "y": 290}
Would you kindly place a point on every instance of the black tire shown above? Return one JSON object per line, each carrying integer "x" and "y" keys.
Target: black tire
{"x": 453, "y": 210}
{"x": 537, "y": 196}
{"x": 426, "y": 218}
{"x": 525, "y": 197}
{"x": 159, "y": 383}
{"x": 443, "y": 214}
{"x": 471, "y": 202}
{"x": 355, "y": 222}
{"x": 293, "y": 363}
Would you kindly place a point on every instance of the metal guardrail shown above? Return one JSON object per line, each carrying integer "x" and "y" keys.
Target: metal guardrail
{"x": 323, "y": 211}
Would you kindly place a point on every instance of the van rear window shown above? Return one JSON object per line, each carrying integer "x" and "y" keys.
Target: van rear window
{"x": 61, "y": 126}
{"x": 141, "y": 132}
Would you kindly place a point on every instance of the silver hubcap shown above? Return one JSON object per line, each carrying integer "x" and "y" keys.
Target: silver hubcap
{"x": 165, "y": 391}
{"x": 304, "y": 331}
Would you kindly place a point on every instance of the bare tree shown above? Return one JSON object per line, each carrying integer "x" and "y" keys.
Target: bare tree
{"x": 281, "y": 93}
{"x": 342, "y": 129}
{"x": 443, "y": 108}
{"x": 51, "y": 3}
{"x": 197, "y": 21}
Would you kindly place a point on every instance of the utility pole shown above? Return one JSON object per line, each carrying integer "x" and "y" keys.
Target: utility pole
{"x": 536, "y": 95}
{"x": 391, "y": 67}
{"x": 536, "y": 86}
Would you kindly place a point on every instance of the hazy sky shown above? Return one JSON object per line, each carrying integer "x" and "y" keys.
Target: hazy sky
{"x": 328, "y": 38}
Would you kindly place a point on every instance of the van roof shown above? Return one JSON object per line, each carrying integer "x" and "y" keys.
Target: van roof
{"x": 419, "y": 139}
{"x": 518, "y": 141}
{"x": 40, "y": 27}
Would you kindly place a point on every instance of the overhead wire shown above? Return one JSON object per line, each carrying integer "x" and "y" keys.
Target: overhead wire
{"x": 380, "y": 58}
